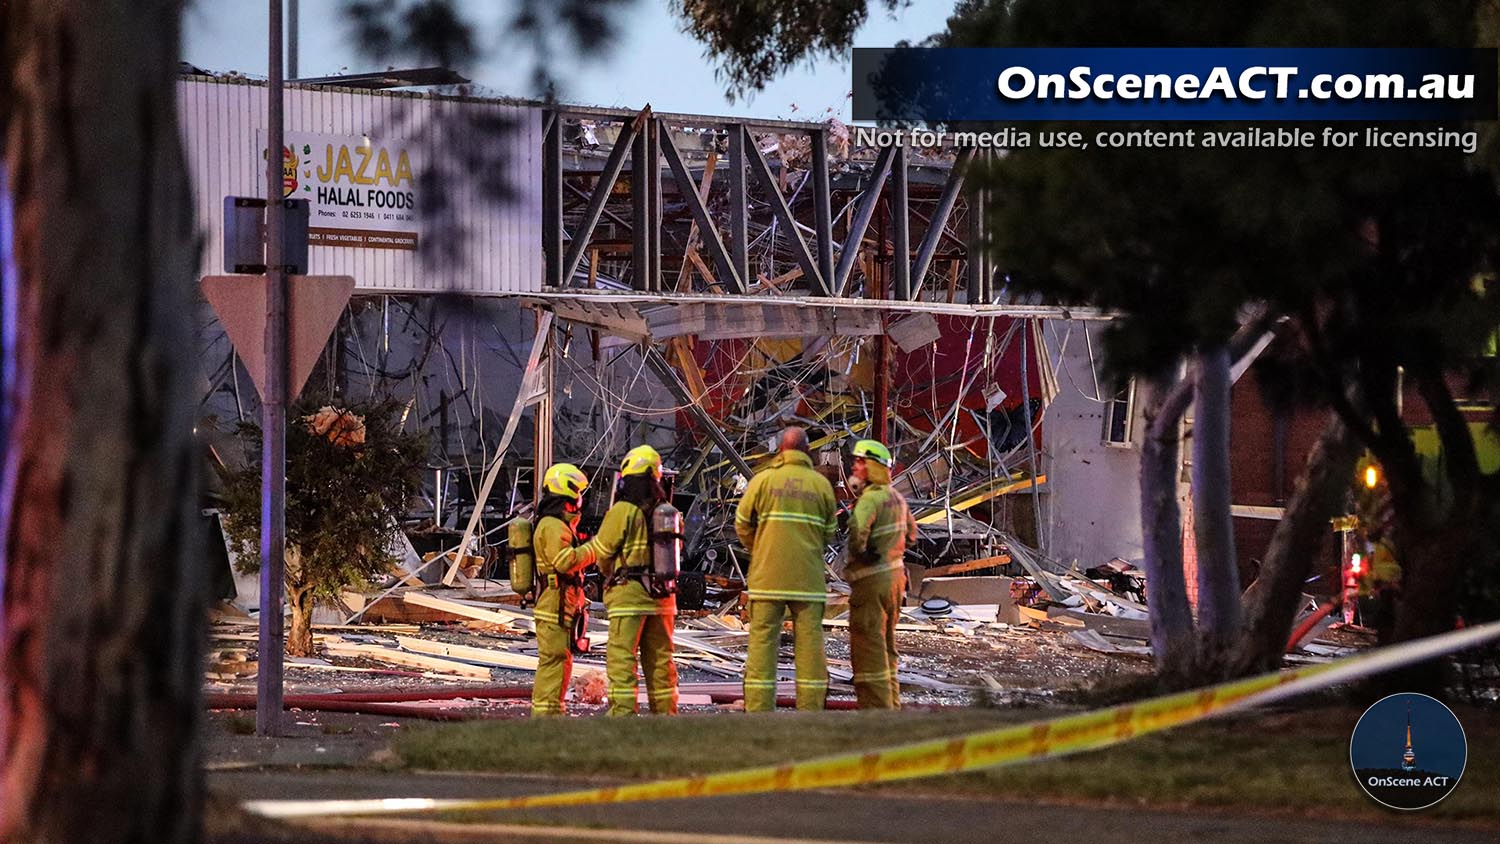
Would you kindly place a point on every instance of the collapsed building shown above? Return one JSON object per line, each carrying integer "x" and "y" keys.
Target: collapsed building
{"x": 542, "y": 282}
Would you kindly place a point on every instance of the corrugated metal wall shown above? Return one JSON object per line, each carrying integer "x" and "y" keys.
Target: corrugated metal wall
{"x": 480, "y": 243}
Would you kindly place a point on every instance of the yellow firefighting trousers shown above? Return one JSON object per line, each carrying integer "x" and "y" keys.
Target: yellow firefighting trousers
{"x": 553, "y": 670}
{"x": 651, "y": 637}
{"x": 874, "y": 609}
{"x": 765, "y": 639}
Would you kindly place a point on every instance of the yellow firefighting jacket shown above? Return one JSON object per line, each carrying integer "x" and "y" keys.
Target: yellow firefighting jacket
{"x": 624, "y": 541}
{"x": 560, "y": 563}
{"x": 785, "y": 520}
{"x": 880, "y": 528}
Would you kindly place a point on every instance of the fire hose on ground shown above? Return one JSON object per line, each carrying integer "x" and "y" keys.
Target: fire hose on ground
{"x": 391, "y": 703}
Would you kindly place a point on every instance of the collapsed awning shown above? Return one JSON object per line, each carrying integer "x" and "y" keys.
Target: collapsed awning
{"x": 662, "y": 316}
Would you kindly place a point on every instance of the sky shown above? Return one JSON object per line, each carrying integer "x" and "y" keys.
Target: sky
{"x": 652, "y": 61}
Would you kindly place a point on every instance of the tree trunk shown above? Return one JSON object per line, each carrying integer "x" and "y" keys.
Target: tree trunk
{"x": 1213, "y": 527}
{"x": 1432, "y": 567}
{"x": 1270, "y": 604}
{"x": 102, "y": 607}
{"x": 1437, "y": 533}
{"x": 1172, "y": 639}
{"x": 299, "y": 638}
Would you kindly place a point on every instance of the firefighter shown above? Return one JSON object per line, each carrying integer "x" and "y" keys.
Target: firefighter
{"x": 638, "y": 623}
{"x": 560, "y": 564}
{"x": 785, "y": 520}
{"x": 880, "y": 528}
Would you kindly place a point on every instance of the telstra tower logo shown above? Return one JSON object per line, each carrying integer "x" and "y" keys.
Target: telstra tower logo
{"x": 1408, "y": 751}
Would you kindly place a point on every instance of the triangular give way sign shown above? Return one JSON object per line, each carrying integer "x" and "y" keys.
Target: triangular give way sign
{"x": 314, "y": 303}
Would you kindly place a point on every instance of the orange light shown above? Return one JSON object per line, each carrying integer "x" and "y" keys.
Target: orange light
{"x": 1372, "y": 476}
{"x": 1356, "y": 564}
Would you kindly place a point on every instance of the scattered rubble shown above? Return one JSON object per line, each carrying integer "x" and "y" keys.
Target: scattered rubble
{"x": 1048, "y": 630}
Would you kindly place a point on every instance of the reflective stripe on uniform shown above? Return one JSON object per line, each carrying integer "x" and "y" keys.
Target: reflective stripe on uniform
{"x": 633, "y": 612}
{"x": 780, "y": 595}
{"x": 866, "y": 571}
{"x": 802, "y": 518}
{"x": 816, "y": 683}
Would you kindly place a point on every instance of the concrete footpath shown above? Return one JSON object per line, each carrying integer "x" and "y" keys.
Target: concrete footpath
{"x": 822, "y": 817}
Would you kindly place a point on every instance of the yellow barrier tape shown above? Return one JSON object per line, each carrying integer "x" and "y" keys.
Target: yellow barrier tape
{"x": 986, "y": 749}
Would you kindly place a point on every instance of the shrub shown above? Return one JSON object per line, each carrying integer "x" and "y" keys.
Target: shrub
{"x": 350, "y": 473}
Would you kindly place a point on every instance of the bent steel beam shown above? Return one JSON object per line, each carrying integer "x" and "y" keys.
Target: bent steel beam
{"x": 856, "y": 235}
{"x": 672, "y": 382}
{"x": 783, "y": 212}
{"x": 607, "y": 178}
{"x": 706, "y": 228}
{"x": 939, "y": 221}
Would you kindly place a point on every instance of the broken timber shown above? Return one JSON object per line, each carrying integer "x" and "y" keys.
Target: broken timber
{"x": 397, "y": 656}
{"x": 968, "y": 566}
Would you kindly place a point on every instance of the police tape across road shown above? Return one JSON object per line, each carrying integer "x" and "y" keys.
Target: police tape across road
{"x": 974, "y": 751}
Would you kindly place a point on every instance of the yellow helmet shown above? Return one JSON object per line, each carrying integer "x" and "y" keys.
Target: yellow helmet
{"x": 873, "y": 450}
{"x": 566, "y": 480}
{"x": 640, "y": 460}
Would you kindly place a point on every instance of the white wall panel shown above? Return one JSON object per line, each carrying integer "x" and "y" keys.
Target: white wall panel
{"x": 1094, "y": 499}
{"x": 484, "y": 245}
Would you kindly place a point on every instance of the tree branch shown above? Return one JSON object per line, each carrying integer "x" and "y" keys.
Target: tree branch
{"x": 1180, "y": 395}
{"x": 1338, "y": 399}
{"x": 1393, "y": 448}
{"x": 1459, "y": 458}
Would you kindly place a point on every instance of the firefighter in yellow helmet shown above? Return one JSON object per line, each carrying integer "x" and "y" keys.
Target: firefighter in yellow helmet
{"x": 785, "y": 520}
{"x": 560, "y": 564}
{"x": 639, "y": 623}
{"x": 880, "y": 528}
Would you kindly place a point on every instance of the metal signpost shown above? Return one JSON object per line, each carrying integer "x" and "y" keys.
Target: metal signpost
{"x": 268, "y": 693}
{"x": 278, "y": 323}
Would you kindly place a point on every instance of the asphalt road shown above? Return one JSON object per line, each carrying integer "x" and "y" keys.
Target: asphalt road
{"x": 824, "y": 817}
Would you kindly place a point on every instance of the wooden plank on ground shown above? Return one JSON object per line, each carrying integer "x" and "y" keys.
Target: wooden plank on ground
{"x": 371, "y": 628}
{"x": 395, "y": 656}
{"x": 970, "y": 565}
{"x": 1032, "y": 615}
{"x": 498, "y": 615}
{"x": 391, "y": 609}
{"x": 405, "y": 576}
{"x": 314, "y": 664}
{"x": 486, "y": 656}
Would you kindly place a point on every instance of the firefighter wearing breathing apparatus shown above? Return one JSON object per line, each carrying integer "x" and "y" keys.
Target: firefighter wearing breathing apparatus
{"x": 560, "y": 603}
{"x": 785, "y": 519}
{"x": 639, "y": 548}
{"x": 880, "y": 528}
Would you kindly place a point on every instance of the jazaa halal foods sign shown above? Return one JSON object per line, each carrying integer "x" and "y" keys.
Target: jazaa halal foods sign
{"x": 362, "y": 193}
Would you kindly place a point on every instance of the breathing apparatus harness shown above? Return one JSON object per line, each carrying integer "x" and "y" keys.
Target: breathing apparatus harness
{"x": 525, "y": 583}
{"x": 664, "y": 531}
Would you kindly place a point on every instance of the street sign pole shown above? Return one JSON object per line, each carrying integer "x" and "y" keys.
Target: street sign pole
{"x": 268, "y": 699}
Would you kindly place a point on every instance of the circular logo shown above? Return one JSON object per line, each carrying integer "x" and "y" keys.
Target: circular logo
{"x": 288, "y": 171}
{"x": 1408, "y": 751}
